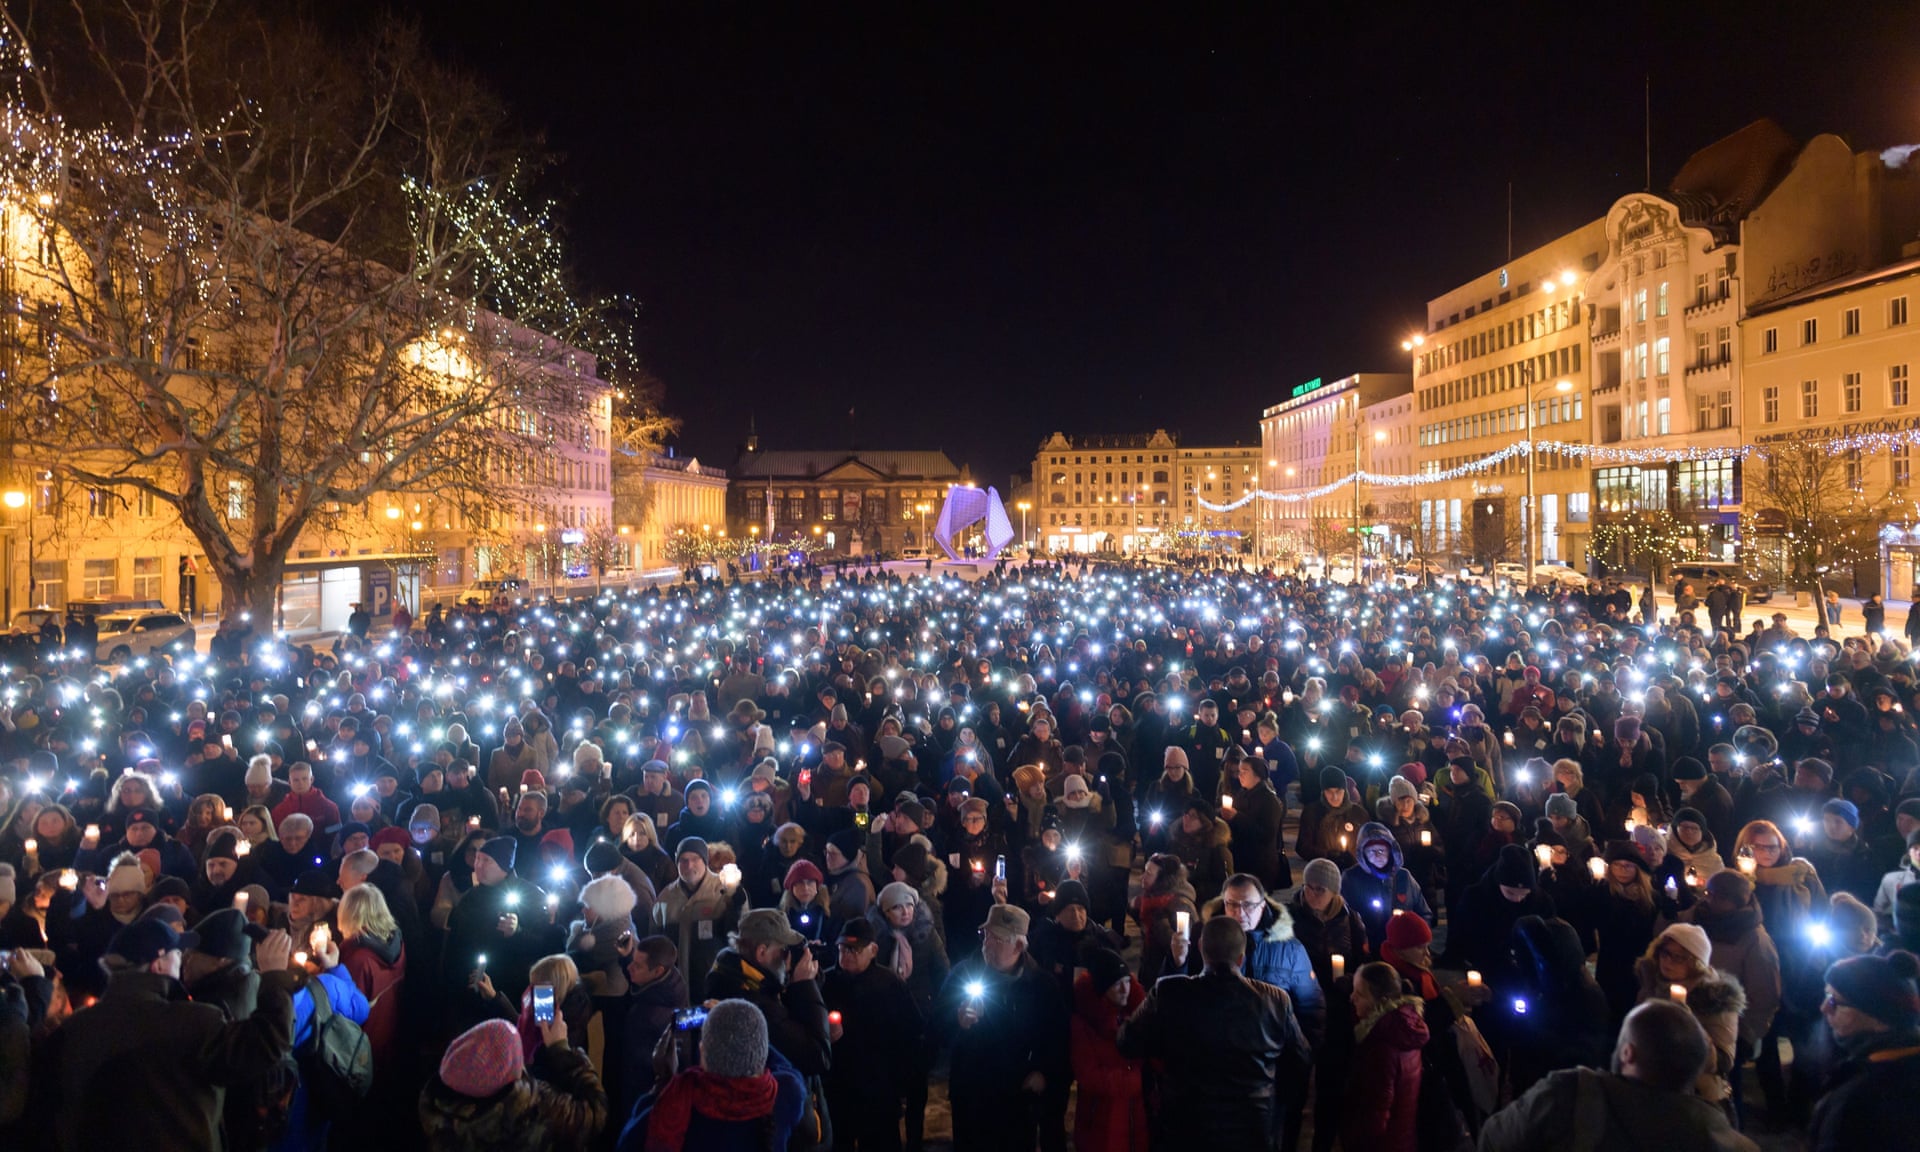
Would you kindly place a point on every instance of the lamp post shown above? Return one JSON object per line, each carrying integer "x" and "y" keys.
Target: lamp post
{"x": 1023, "y": 506}
{"x": 1356, "y": 487}
{"x": 922, "y": 508}
{"x": 15, "y": 500}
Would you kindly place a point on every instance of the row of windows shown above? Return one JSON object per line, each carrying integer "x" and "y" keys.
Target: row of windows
{"x": 1140, "y": 459}
{"x": 1079, "y": 518}
{"x": 1549, "y": 411}
{"x": 1531, "y": 326}
{"x": 1850, "y": 325}
{"x": 1505, "y": 377}
{"x": 1140, "y": 477}
{"x": 1852, "y": 395}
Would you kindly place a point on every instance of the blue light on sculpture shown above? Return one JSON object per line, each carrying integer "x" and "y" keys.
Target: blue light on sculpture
{"x": 965, "y": 507}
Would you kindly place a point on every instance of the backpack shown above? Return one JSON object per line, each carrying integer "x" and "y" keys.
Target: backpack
{"x": 336, "y": 1062}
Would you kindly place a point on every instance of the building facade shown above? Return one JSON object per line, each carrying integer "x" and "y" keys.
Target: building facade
{"x": 661, "y": 494}
{"x": 1132, "y": 494}
{"x": 1323, "y": 432}
{"x": 851, "y": 503}
{"x": 1509, "y": 341}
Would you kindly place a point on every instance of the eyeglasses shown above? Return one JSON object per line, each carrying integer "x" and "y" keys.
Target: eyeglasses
{"x": 1833, "y": 1003}
{"x": 1249, "y": 904}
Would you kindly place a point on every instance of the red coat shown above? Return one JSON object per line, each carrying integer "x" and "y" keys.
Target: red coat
{"x": 312, "y": 803}
{"x": 378, "y": 978}
{"x": 1383, "y": 1091}
{"x": 1112, "y": 1113}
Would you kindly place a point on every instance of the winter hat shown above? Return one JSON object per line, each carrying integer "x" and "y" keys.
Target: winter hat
{"x": 1511, "y": 809}
{"x": 150, "y": 860}
{"x": 733, "y": 1042}
{"x": 1847, "y": 911}
{"x": 503, "y": 849}
{"x": 602, "y": 858}
{"x": 483, "y": 1060}
{"x": 7, "y": 889}
{"x": 849, "y": 841}
{"x": 893, "y": 747}
{"x": 259, "y": 772}
{"x": 146, "y": 940}
{"x": 1074, "y": 785}
{"x": 1623, "y": 850}
{"x": 1627, "y": 729}
{"x": 1322, "y": 873}
{"x": 1648, "y": 838}
{"x": 910, "y": 807}
{"x": 1687, "y": 768}
{"x": 1845, "y": 809}
{"x": 1693, "y": 938}
{"x": 174, "y": 888}
{"x": 1399, "y": 787}
{"x": 126, "y": 875}
{"x": 1409, "y": 931}
{"x": 1512, "y": 868}
{"x": 1543, "y": 833}
{"x": 532, "y": 781}
{"x": 228, "y": 935}
{"x": 1562, "y": 805}
{"x": 915, "y": 860}
{"x": 693, "y": 844}
{"x": 1006, "y": 921}
{"x": 557, "y": 843}
{"x": 220, "y": 845}
{"x": 610, "y": 897}
{"x": 1333, "y": 776}
{"x": 803, "y": 870}
{"x": 1104, "y": 967}
{"x": 892, "y": 895}
{"x": 1691, "y": 816}
{"x": 1070, "y": 892}
{"x": 790, "y": 834}
{"x": 392, "y": 834}
{"x": 1884, "y": 988}
{"x": 1755, "y": 742}
{"x": 1729, "y": 885}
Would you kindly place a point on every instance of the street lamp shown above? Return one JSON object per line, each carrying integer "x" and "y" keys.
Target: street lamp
{"x": 922, "y": 507}
{"x": 1527, "y": 514}
{"x": 15, "y": 500}
{"x": 1023, "y": 506}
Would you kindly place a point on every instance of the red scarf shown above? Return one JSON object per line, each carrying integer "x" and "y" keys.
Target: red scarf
{"x": 724, "y": 1098}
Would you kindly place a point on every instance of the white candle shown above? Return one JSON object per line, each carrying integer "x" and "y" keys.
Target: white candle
{"x": 33, "y": 847}
{"x": 1339, "y": 965}
{"x": 1426, "y": 838}
{"x": 1226, "y": 801}
{"x": 1473, "y": 979}
{"x": 1183, "y": 923}
{"x": 1544, "y": 854}
{"x": 240, "y": 901}
{"x": 1677, "y": 993}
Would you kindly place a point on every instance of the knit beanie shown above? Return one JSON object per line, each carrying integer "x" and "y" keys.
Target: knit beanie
{"x": 849, "y": 841}
{"x": 1648, "y": 837}
{"x": 1104, "y": 968}
{"x": 1845, "y": 809}
{"x": 804, "y": 870}
{"x": 1070, "y": 892}
{"x": 602, "y": 857}
{"x": 1332, "y": 776}
{"x": 1883, "y": 987}
{"x": 483, "y": 1060}
{"x": 1687, "y": 768}
{"x": 1512, "y": 868}
{"x": 693, "y": 844}
{"x": 1562, "y": 805}
{"x": 1400, "y": 786}
{"x": 1693, "y": 938}
{"x": 532, "y": 781}
{"x": 503, "y": 850}
{"x": 1322, "y": 873}
{"x": 220, "y": 845}
{"x": 391, "y": 834}
{"x": 891, "y": 896}
{"x": 1408, "y": 931}
{"x": 610, "y": 897}
{"x": 259, "y": 772}
{"x": 733, "y": 1042}
{"x": 126, "y": 875}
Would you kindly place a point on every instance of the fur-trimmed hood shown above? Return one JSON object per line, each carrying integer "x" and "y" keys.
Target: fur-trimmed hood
{"x": 1715, "y": 994}
{"x": 1278, "y": 921}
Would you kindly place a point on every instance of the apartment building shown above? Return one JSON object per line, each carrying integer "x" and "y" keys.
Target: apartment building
{"x": 1140, "y": 493}
{"x": 1320, "y": 434}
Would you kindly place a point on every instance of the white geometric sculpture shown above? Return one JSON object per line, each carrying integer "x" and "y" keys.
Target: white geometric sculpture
{"x": 965, "y": 507}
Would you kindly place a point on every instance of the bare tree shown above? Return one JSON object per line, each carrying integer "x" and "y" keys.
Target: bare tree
{"x": 271, "y": 275}
{"x": 1817, "y": 501}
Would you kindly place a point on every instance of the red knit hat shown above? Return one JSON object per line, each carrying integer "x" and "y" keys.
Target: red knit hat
{"x": 483, "y": 1060}
{"x": 533, "y": 781}
{"x": 389, "y": 835}
{"x": 559, "y": 841}
{"x": 1408, "y": 931}
{"x": 803, "y": 870}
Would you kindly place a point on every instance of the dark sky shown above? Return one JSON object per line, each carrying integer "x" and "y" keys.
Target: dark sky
{"x": 976, "y": 223}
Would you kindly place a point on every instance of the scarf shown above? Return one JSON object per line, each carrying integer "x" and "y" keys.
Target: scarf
{"x": 902, "y": 956}
{"x": 727, "y": 1099}
{"x": 1792, "y": 877}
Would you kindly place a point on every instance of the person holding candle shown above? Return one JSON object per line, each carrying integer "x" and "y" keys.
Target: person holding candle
{"x": 1678, "y": 966}
{"x": 1378, "y": 887}
{"x": 876, "y": 1030}
{"x": 1625, "y": 912}
{"x": 1480, "y": 931}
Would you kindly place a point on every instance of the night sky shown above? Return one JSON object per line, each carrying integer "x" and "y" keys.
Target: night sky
{"x": 973, "y": 224}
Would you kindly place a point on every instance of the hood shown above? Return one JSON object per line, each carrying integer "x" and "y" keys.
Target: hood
{"x": 1551, "y": 950}
{"x": 1095, "y": 1009}
{"x": 508, "y": 1119}
{"x": 1373, "y": 832}
{"x": 1385, "y": 813}
{"x": 1399, "y": 1024}
{"x": 1277, "y": 920}
{"x": 386, "y": 950}
{"x": 936, "y": 884}
{"x": 920, "y": 929}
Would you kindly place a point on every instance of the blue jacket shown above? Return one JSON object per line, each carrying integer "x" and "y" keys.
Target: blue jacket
{"x": 1376, "y": 895}
{"x": 735, "y": 1136}
{"x": 346, "y": 999}
{"x": 1275, "y": 957}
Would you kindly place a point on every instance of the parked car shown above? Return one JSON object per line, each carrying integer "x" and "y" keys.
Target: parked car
{"x": 94, "y": 607}
{"x": 1512, "y": 573}
{"x": 1558, "y": 574}
{"x": 125, "y": 635}
{"x": 1701, "y": 574}
{"x": 29, "y": 621}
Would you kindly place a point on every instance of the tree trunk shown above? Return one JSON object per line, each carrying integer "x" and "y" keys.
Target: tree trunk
{"x": 250, "y": 590}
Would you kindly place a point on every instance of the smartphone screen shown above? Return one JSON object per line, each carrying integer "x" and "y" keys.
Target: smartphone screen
{"x": 688, "y": 1019}
{"x": 999, "y": 867}
{"x": 543, "y": 1003}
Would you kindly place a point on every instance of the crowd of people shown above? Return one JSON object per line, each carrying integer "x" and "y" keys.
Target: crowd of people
{"x": 1203, "y": 857}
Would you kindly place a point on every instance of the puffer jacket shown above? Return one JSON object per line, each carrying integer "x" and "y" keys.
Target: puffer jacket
{"x": 1717, "y": 1002}
{"x": 928, "y": 950}
{"x": 1743, "y": 950}
{"x": 557, "y": 1103}
{"x": 1376, "y": 895}
{"x": 1385, "y": 1114}
{"x": 1276, "y": 957}
{"x": 1112, "y": 1113}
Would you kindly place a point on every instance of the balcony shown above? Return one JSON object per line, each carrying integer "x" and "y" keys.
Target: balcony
{"x": 1710, "y": 306}
{"x": 1713, "y": 371}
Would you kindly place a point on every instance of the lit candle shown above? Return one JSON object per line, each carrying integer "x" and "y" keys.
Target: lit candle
{"x": 1426, "y": 838}
{"x": 1339, "y": 965}
{"x": 1749, "y": 865}
{"x": 1226, "y": 802}
{"x": 92, "y": 836}
{"x": 1544, "y": 854}
{"x": 242, "y": 846}
{"x": 1693, "y": 878}
{"x": 1473, "y": 979}
{"x": 1677, "y": 993}
{"x": 33, "y": 847}
{"x": 1597, "y": 866}
{"x": 300, "y": 958}
{"x": 240, "y": 901}
{"x": 1343, "y": 843}
{"x": 1183, "y": 922}
{"x": 1509, "y": 739}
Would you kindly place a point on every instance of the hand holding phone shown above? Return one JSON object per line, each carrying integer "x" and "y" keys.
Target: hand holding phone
{"x": 543, "y": 1003}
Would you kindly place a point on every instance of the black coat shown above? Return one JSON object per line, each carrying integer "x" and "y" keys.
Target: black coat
{"x": 796, "y": 1016}
{"x": 145, "y": 1051}
{"x": 1873, "y": 1100}
{"x": 877, "y": 1054}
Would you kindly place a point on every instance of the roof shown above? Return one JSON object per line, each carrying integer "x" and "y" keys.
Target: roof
{"x": 1720, "y": 184}
{"x": 812, "y": 465}
{"x": 1907, "y": 267}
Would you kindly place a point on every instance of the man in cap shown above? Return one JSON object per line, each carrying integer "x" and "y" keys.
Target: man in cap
{"x": 1007, "y": 1024}
{"x": 769, "y": 964}
{"x": 876, "y": 1043}
{"x": 499, "y": 926}
{"x": 154, "y": 1055}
